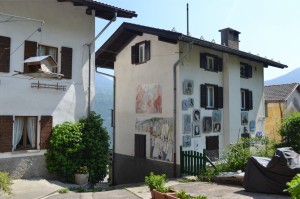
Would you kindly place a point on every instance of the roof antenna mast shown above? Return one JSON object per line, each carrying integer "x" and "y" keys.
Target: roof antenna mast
{"x": 187, "y": 19}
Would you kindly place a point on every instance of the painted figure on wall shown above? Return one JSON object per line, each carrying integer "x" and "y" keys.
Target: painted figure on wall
{"x": 161, "y": 136}
{"x": 148, "y": 98}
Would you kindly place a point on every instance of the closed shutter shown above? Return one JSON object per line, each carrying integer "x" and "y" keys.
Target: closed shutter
{"x": 46, "y": 131}
{"x": 250, "y": 106}
{"x": 66, "y": 62}
{"x": 6, "y": 132}
{"x": 4, "y": 54}
{"x": 140, "y": 146}
{"x": 147, "y": 51}
{"x": 248, "y": 71}
{"x": 30, "y": 50}
{"x": 203, "y": 93}
{"x": 203, "y": 61}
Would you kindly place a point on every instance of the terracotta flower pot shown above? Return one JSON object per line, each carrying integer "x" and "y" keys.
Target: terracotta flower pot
{"x": 158, "y": 195}
{"x": 81, "y": 179}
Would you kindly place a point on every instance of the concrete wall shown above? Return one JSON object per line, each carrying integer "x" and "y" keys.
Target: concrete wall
{"x": 65, "y": 25}
{"x": 276, "y": 112}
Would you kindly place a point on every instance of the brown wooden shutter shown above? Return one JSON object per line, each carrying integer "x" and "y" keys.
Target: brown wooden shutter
{"x": 133, "y": 54}
{"x": 250, "y": 101}
{"x": 140, "y": 145}
{"x": 30, "y": 50}
{"x": 4, "y": 54}
{"x": 203, "y": 61}
{"x": 147, "y": 51}
{"x": 6, "y": 132}
{"x": 249, "y": 71}
{"x": 219, "y": 103}
{"x": 66, "y": 62}
{"x": 46, "y": 131}
{"x": 220, "y": 64}
{"x": 203, "y": 93}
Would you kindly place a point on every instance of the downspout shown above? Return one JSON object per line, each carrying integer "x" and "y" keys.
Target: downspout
{"x": 190, "y": 46}
{"x": 113, "y": 124}
{"x": 90, "y": 54}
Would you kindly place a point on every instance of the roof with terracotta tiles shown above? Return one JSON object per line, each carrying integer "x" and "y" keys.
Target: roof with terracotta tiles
{"x": 280, "y": 92}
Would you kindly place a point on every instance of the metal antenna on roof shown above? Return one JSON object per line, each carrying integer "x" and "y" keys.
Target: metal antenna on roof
{"x": 187, "y": 21}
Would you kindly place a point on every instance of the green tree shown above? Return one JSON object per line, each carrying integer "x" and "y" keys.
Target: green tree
{"x": 290, "y": 132}
{"x": 95, "y": 153}
{"x": 64, "y": 155}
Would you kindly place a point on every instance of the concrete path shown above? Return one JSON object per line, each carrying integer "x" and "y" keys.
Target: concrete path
{"x": 43, "y": 189}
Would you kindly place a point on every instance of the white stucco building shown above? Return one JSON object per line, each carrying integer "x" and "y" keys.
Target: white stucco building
{"x": 43, "y": 91}
{"x": 168, "y": 86}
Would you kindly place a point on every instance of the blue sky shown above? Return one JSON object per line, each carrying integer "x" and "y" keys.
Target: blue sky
{"x": 269, "y": 28}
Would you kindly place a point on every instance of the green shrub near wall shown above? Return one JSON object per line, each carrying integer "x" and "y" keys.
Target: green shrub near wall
{"x": 290, "y": 132}
{"x": 5, "y": 183}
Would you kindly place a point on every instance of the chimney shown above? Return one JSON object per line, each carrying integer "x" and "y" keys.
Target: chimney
{"x": 230, "y": 38}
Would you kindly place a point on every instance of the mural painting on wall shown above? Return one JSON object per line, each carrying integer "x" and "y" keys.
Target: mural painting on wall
{"x": 207, "y": 124}
{"x": 191, "y": 100}
{"x": 188, "y": 87}
{"x": 187, "y": 123}
{"x": 216, "y": 119}
{"x": 196, "y": 130}
{"x": 148, "y": 98}
{"x": 161, "y": 136}
{"x": 185, "y": 105}
{"x": 186, "y": 140}
{"x": 252, "y": 126}
{"x": 244, "y": 118}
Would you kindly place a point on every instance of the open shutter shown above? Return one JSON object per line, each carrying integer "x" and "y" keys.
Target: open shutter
{"x": 216, "y": 64}
{"x": 140, "y": 146}
{"x": 219, "y": 103}
{"x": 203, "y": 93}
{"x": 66, "y": 62}
{"x": 133, "y": 55}
{"x": 220, "y": 64}
{"x": 4, "y": 54}
{"x": 203, "y": 61}
{"x": 250, "y": 106}
{"x": 216, "y": 97}
{"x": 249, "y": 71}
{"x": 6, "y": 132}
{"x": 30, "y": 50}
{"x": 147, "y": 51}
{"x": 46, "y": 131}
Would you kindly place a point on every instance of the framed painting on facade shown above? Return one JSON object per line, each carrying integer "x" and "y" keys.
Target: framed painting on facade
{"x": 207, "y": 124}
{"x": 196, "y": 130}
{"x": 244, "y": 118}
{"x": 196, "y": 115}
{"x": 187, "y": 140}
{"x": 188, "y": 87}
{"x": 187, "y": 123}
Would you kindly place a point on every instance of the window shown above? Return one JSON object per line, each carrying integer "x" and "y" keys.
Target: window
{"x": 211, "y": 62}
{"x": 211, "y": 96}
{"x": 245, "y": 70}
{"x": 140, "y": 52}
{"x": 246, "y": 100}
{"x": 20, "y": 133}
{"x": 47, "y": 50}
{"x": 140, "y": 146}
{"x": 24, "y": 136}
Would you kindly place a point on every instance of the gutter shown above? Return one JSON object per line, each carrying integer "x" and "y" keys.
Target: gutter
{"x": 190, "y": 46}
{"x": 90, "y": 54}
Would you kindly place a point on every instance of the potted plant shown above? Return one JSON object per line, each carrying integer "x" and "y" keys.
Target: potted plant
{"x": 82, "y": 175}
{"x": 155, "y": 181}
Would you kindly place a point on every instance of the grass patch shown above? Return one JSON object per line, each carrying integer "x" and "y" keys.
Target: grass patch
{"x": 64, "y": 190}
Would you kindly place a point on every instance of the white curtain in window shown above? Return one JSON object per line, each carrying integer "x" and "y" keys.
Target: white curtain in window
{"x": 31, "y": 129}
{"x": 53, "y": 53}
{"x": 18, "y": 130}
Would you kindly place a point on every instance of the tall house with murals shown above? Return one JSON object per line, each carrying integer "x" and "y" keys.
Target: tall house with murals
{"x": 174, "y": 90}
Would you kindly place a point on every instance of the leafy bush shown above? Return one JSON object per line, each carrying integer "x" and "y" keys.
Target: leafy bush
{"x": 183, "y": 195}
{"x": 5, "y": 183}
{"x": 66, "y": 147}
{"x": 82, "y": 170}
{"x": 95, "y": 152}
{"x": 290, "y": 132}
{"x": 63, "y": 190}
{"x": 294, "y": 187}
{"x": 155, "y": 181}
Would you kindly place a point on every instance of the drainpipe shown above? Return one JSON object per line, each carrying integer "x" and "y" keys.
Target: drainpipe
{"x": 113, "y": 124}
{"x": 190, "y": 46}
{"x": 90, "y": 54}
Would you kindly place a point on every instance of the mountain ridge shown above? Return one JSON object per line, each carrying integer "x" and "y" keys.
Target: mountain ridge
{"x": 291, "y": 77}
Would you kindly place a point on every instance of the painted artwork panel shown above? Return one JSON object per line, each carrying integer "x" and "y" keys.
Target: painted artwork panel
{"x": 188, "y": 87}
{"x": 244, "y": 118}
{"x": 196, "y": 130}
{"x": 252, "y": 126}
{"x": 185, "y": 105}
{"x": 196, "y": 115}
{"x": 216, "y": 116}
{"x": 161, "y": 131}
{"x": 191, "y": 100}
{"x": 148, "y": 98}
{"x": 187, "y": 123}
{"x": 207, "y": 124}
{"x": 187, "y": 139}
{"x": 217, "y": 127}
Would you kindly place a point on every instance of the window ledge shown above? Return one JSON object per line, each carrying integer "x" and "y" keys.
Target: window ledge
{"x": 26, "y": 151}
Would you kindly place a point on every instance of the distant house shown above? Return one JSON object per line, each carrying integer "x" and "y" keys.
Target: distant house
{"x": 280, "y": 100}
{"x": 174, "y": 90}
{"x": 44, "y": 74}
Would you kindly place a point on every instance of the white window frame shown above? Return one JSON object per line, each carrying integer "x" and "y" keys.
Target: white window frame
{"x": 142, "y": 52}
{"x": 210, "y": 97}
{"x": 243, "y": 99}
{"x": 209, "y": 63}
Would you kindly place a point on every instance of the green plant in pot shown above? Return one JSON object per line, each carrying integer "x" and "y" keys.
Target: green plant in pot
{"x": 155, "y": 181}
{"x": 82, "y": 175}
